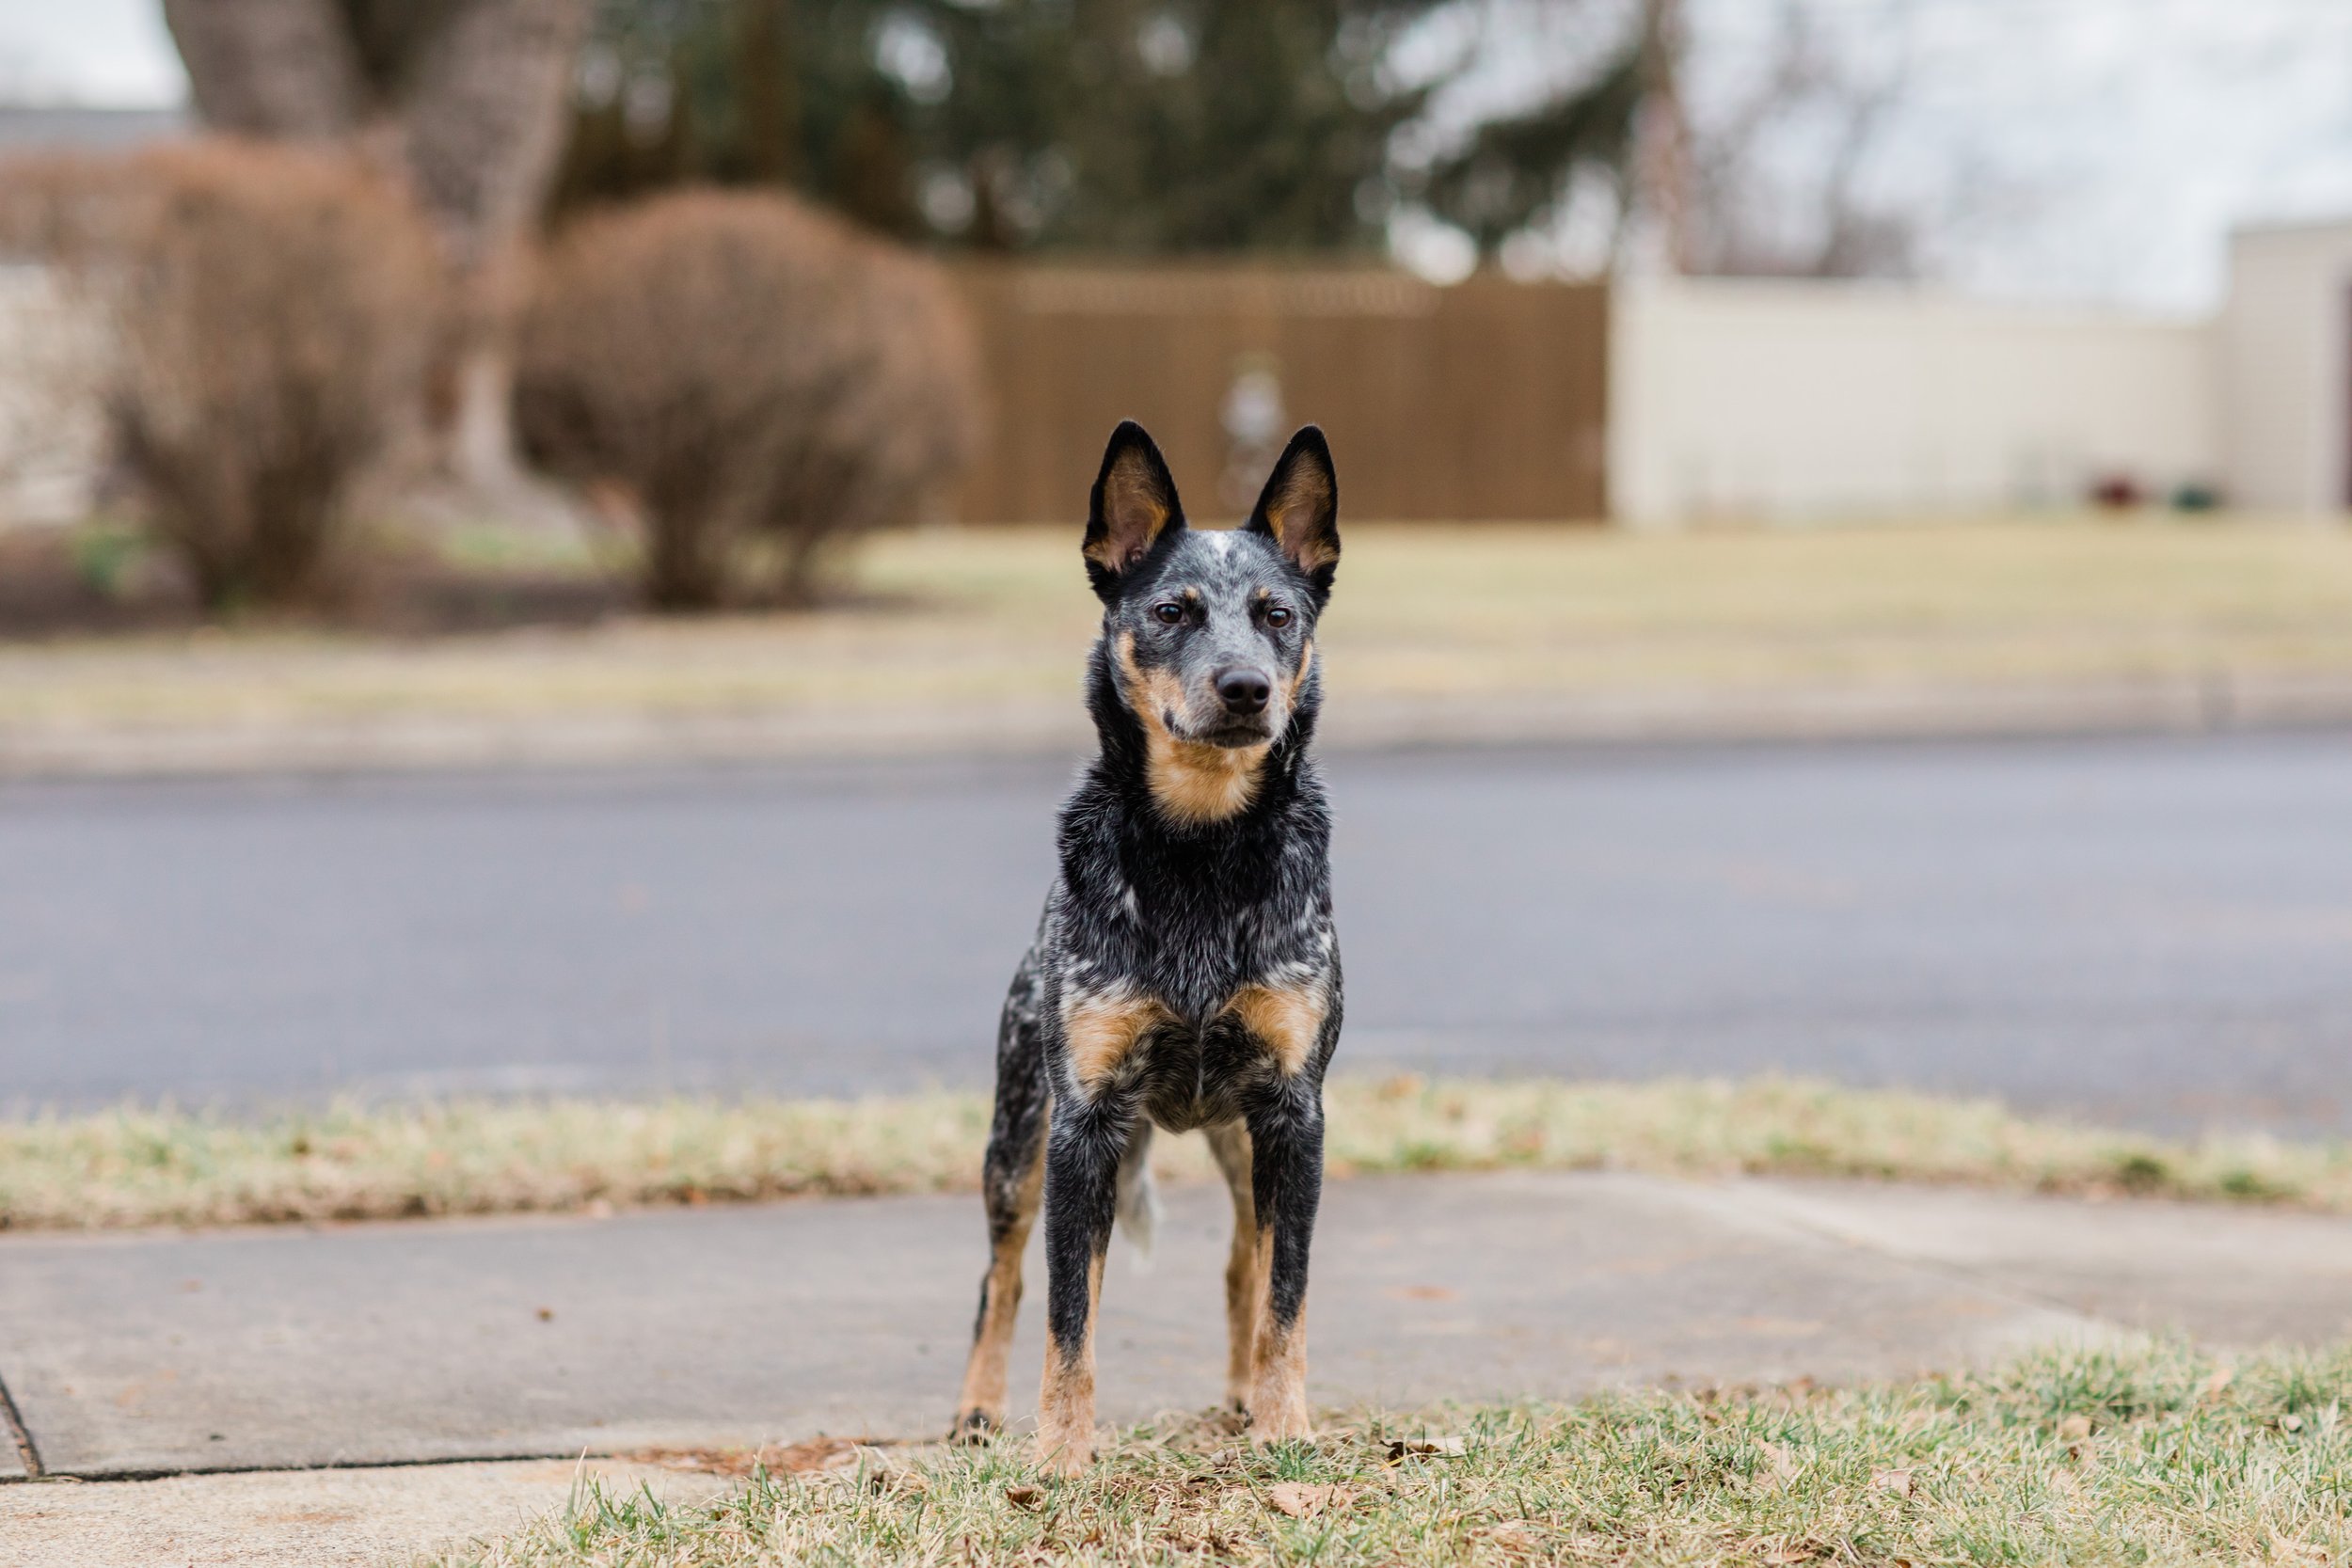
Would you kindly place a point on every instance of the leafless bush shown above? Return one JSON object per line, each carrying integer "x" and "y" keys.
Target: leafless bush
{"x": 269, "y": 314}
{"x": 760, "y": 380}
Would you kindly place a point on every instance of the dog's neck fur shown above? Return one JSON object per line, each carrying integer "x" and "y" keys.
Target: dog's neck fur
{"x": 1188, "y": 788}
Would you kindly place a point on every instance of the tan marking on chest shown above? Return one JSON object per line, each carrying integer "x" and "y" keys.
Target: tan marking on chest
{"x": 1288, "y": 1019}
{"x": 1101, "y": 1030}
{"x": 1191, "y": 783}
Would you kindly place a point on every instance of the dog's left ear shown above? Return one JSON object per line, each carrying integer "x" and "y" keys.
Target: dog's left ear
{"x": 1300, "y": 509}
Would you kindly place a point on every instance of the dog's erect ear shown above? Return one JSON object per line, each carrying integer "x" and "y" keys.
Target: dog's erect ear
{"x": 1300, "y": 509}
{"x": 1134, "y": 503}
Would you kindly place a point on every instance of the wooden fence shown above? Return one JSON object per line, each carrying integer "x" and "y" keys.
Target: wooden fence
{"x": 1485, "y": 400}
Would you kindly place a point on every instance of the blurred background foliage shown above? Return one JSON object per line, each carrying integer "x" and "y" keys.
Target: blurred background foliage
{"x": 1112, "y": 126}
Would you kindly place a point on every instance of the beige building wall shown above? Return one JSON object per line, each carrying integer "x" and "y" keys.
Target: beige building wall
{"x": 2286, "y": 367}
{"x": 1787, "y": 400}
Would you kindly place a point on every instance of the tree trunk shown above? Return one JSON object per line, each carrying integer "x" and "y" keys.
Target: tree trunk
{"x": 481, "y": 118}
{"x": 482, "y": 127}
{"x": 1662, "y": 133}
{"x": 270, "y": 68}
{"x": 474, "y": 120}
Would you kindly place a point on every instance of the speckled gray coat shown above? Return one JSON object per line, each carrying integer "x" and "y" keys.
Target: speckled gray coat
{"x": 1186, "y": 972}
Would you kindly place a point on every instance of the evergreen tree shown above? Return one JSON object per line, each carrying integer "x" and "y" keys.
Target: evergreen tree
{"x": 1106, "y": 126}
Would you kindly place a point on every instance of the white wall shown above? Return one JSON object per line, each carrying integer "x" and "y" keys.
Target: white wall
{"x": 52, "y": 421}
{"x": 2286, "y": 367}
{"x": 1788, "y": 400}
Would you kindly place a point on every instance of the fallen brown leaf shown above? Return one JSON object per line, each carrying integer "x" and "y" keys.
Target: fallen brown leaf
{"x": 1896, "y": 1481}
{"x": 1304, "y": 1502}
{"x": 818, "y": 1453}
{"x": 1515, "y": 1537}
{"x": 1025, "y": 1497}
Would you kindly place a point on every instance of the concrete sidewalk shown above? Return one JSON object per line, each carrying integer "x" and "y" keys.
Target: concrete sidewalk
{"x": 158, "y": 1355}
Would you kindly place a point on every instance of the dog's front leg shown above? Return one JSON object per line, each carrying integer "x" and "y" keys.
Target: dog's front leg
{"x": 1082, "y": 1158}
{"x": 1286, "y": 1181}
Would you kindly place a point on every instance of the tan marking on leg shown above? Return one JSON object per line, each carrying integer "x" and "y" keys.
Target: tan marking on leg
{"x": 1191, "y": 783}
{"x": 1065, "y": 1405}
{"x": 1288, "y": 1019}
{"x": 1230, "y": 1145}
{"x": 983, "y": 1397}
{"x": 1101, "y": 1028}
{"x": 1277, "y": 1388}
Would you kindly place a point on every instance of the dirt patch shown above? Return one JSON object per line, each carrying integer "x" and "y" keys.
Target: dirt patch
{"x": 816, "y": 1456}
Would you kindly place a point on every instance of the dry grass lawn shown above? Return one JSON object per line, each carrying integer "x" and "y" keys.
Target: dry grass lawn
{"x": 960, "y": 617}
{"x": 133, "y": 1167}
{"x": 2153, "y": 1457}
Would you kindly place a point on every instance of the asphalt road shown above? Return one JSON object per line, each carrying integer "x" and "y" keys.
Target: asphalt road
{"x": 2152, "y": 931}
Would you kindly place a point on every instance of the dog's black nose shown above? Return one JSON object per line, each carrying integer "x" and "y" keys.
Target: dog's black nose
{"x": 1244, "y": 690}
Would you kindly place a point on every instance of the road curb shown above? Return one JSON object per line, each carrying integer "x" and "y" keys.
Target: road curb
{"x": 427, "y": 742}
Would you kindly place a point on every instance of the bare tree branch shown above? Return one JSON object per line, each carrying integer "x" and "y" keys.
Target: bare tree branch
{"x": 1751, "y": 219}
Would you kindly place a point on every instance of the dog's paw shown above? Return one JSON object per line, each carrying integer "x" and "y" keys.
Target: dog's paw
{"x": 1279, "y": 1420}
{"x": 1262, "y": 1435}
{"x": 974, "y": 1426}
{"x": 1065, "y": 1457}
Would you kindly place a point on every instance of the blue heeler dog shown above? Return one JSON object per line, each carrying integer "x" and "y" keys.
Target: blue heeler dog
{"x": 1185, "y": 972}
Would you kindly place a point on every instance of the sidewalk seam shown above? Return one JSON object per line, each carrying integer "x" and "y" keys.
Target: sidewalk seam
{"x": 19, "y": 1434}
{"x": 95, "y": 1476}
{"x": 1994, "y": 1284}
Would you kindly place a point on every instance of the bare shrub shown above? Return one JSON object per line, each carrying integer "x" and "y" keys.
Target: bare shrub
{"x": 760, "y": 380}
{"x": 896, "y": 432}
{"x": 269, "y": 314}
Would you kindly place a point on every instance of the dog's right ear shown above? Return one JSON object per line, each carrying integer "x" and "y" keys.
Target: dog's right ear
{"x": 1134, "y": 503}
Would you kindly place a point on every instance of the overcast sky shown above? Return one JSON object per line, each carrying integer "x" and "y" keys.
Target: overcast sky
{"x": 2081, "y": 149}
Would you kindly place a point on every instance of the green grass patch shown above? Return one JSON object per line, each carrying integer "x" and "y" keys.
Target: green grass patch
{"x": 133, "y": 1167}
{"x": 2150, "y": 1457}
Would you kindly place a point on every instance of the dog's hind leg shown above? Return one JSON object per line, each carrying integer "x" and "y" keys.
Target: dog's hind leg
{"x": 1230, "y": 1145}
{"x": 1012, "y": 1180}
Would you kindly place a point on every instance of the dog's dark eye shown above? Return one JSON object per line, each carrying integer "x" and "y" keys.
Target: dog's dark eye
{"x": 1277, "y": 615}
{"x": 1170, "y": 612}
